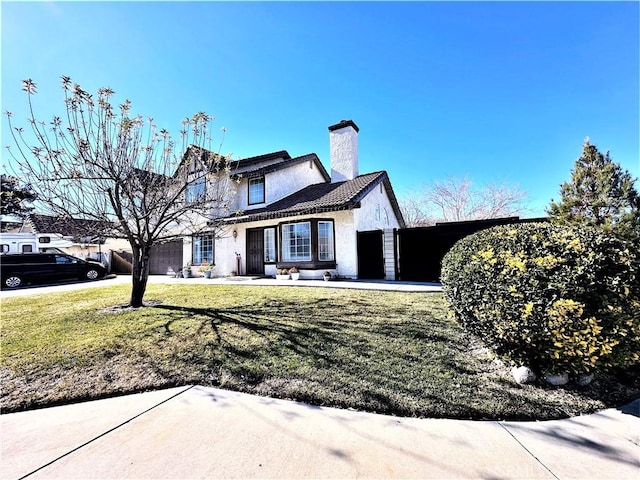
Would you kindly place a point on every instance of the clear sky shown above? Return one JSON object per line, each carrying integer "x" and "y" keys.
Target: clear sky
{"x": 497, "y": 91}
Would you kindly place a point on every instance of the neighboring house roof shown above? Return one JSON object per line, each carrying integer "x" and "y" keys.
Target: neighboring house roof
{"x": 68, "y": 227}
{"x": 146, "y": 177}
{"x": 282, "y": 155}
{"x": 274, "y": 167}
{"x": 324, "y": 197}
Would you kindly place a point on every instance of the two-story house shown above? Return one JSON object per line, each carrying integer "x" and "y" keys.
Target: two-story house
{"x": 292, "y": 212}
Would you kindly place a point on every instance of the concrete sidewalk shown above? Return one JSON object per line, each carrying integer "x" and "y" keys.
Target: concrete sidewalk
{"x": 398, "y": 286}
{"x": 197, "y": 432}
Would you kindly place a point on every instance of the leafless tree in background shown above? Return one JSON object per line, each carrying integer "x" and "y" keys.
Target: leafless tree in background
{"x": 456, "y": 199}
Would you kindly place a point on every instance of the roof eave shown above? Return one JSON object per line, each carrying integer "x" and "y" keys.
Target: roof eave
{"x": 260, "y": 217}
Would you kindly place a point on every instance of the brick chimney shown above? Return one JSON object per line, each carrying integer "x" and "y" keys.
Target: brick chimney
{"x": 343, "y": 146}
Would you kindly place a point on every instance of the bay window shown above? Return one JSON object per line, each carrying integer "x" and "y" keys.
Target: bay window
{"x": 325, "y": 242}
{"x": 308, "y": 244}
{"x": 296, "y": 242}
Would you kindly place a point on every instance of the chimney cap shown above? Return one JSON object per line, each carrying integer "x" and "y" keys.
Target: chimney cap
{"x": 343, "y": 124}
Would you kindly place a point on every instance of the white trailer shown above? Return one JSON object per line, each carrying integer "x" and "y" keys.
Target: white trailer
{"x": 32, "y": 242}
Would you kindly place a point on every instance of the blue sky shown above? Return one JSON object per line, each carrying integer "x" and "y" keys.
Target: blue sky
{"x": 503, "y": 91}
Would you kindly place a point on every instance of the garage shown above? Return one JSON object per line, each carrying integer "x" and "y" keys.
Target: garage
{"x": 166, "y": 258}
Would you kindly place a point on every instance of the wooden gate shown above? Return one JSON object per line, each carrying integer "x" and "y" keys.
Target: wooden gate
{"x": 121, "y": 262}
{"x": 370, "y": 255}
{"x": 421, "y": 249}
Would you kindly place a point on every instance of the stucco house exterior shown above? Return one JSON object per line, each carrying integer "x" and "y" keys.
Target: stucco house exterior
{"x": 292, "y": 212}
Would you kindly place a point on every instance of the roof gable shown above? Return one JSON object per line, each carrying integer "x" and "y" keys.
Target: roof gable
{"x": 274, "y": 167}
{"x": 199, "y": 159}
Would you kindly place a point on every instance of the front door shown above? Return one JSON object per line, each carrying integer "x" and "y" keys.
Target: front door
{"x": 255, "y": 251}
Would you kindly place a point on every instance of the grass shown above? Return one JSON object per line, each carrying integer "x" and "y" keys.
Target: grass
{"x": 386, "y": 352}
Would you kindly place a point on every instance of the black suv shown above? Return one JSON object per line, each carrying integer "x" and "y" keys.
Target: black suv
{"x": 20, "y": 268}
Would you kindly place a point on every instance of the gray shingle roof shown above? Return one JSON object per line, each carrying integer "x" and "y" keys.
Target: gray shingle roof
{"x": 208, "y": 158}
{"x": 68, "y": 227}
{"x": 323, "y": 197}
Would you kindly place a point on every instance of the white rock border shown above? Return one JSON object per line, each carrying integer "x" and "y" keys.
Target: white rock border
{"x": 523, "y": 375}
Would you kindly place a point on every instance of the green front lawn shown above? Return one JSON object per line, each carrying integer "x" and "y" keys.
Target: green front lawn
{"x": 386, "y": 352}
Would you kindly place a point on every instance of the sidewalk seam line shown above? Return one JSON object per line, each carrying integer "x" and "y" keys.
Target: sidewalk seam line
{"x": 527, "y": 450}
{"x": 75, "y": 449}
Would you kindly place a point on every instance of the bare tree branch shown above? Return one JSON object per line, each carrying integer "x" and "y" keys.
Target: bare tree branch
{"x": 456, "y": 199}
{"x": 106, "y": 164}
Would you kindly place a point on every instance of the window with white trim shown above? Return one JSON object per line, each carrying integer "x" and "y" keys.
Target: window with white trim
{"x": 195, "y": 190}
{"x": 269, "y": 245}
{"x": 202, "y": 250}
{"x": 325, "y": 242}
{"x": 296, "y": 242}
{"x": 256, "y": 190}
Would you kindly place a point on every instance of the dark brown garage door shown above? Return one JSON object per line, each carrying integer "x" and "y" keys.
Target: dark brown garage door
{"x": 166, "y": 258}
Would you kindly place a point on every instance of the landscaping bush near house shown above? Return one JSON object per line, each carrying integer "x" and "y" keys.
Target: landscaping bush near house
{"x": 554, "y": 298}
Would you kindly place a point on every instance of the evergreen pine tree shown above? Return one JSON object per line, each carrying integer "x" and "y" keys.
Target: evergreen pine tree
{"x": 600, "y": 194}
{"x": 14, "y": 198}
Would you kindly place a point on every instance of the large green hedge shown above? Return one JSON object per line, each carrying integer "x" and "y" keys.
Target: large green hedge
{"x": 554, "y": 298}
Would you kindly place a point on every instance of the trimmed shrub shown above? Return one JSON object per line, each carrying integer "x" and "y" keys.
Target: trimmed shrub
{"x": 554, "y": 298}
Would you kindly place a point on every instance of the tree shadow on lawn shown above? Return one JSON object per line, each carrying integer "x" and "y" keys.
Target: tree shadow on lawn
{"x": 254, "y": 322}
{"x": 311, "y": 354}
{"x": 402, "y": 365}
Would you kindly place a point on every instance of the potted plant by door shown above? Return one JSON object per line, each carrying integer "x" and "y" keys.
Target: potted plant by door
{"x": 208, "y": 272}
{"x": 327, "y": 276}
{"x": 295, "y": 274}
{"x": 186, "y": 270}
{"x": 282, "y": 274}
{"x": 205, "y": 269}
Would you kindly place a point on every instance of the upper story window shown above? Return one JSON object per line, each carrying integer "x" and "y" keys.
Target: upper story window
{"x": 256, "y": 190}
{"x": 195, "y": 190}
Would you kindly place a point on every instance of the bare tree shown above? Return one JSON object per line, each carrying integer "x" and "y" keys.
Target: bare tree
{"x": 455, "y": 199}
{"x": 102, "y": 163}
{"x": 414, "y": 211}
